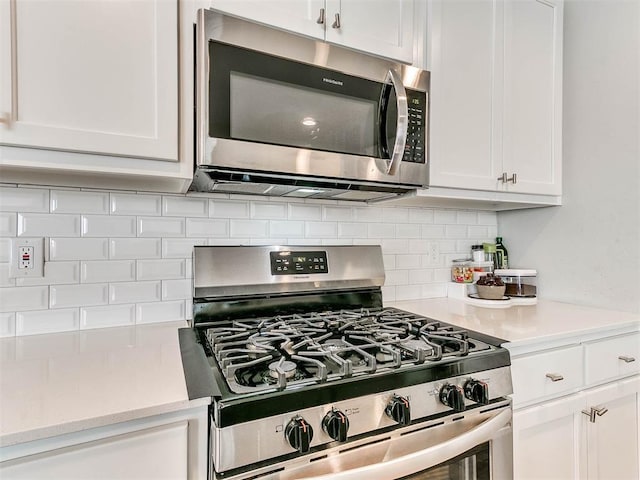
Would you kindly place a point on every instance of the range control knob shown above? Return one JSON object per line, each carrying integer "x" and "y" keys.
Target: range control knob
{"x": 336, "y": 425}
{"x": 398, "y": 409}
{"x": 452, "y": 396}
{"x": 299, "y": 434}
{"x": 477, "y": 391}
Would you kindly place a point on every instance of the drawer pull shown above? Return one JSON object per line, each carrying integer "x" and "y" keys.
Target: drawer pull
{"x": 599, "y": 411}
{"x": 554, "y": 377}
{"x": 626, "y": 358}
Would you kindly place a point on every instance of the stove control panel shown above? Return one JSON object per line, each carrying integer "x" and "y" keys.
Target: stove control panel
{"x": 290, "y": 262}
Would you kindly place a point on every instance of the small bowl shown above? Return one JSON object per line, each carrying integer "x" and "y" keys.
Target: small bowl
{"x": 491, "y": 292}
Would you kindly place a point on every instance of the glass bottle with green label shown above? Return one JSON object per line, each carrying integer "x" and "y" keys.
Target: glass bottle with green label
{"x": 502, "y": 256}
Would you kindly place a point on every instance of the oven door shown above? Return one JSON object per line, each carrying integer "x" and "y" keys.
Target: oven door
{"x": 475, "y": 445}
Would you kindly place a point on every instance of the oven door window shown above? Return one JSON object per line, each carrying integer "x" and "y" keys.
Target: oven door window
{"x": 260, "y": 98}
{"x": 471, "y": 465}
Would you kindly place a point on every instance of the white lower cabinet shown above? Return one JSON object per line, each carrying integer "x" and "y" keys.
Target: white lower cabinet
{"x": 577, "y": 410}
{"x": 171, "y": 446}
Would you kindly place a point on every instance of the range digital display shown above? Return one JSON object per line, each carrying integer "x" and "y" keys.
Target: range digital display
{"x": 296, "y": 263}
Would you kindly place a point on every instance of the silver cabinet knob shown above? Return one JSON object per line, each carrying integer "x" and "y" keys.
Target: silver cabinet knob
{"x": 503, "y": 178}
{"x": 554, "y": 377}
{"x": 321, "y": 18}
{"x": 512, "y": 178}
{"x": 336, "y": 23}
{"x": 626, "y": 358}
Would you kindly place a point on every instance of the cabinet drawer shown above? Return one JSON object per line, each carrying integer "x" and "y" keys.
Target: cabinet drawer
{"x": 546, "y": 374}
{"x": 612, "y": 358}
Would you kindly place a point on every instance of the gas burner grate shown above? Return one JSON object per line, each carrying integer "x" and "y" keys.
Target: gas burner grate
{"x": 286, "y": 351}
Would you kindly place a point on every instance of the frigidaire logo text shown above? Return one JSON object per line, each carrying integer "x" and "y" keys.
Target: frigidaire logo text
{"x": 332, "y": 81}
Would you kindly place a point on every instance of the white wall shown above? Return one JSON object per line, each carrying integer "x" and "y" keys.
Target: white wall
{"x": 588, "y": 250}
{"x": 121, "y": 258}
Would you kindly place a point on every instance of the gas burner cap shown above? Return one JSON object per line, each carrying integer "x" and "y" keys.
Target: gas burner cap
{"x": 333, "y": 344}
{"x": 288, "y": 367}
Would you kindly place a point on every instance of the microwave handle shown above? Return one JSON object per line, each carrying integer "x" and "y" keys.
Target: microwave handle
{"x": 402, "y": 122}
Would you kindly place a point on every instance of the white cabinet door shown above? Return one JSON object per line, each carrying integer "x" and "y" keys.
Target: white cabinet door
{"x": 532, "y": 138}
{"x": 612, "y": 440}
{"x": 547, "y": 440}
{"x": 98, "y": 76}
{"x": 465, "y": 65}
{"x": 381, "y": 27}
{"x": 301, "y": 16}
{"x": 156, "y": 453}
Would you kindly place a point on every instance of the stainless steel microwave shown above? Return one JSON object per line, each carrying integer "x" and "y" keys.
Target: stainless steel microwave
{"x": 285, "y": 115}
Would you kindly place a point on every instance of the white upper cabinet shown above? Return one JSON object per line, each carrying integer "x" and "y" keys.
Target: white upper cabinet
{"x": 381, "y": 27}
{"x": 98, "y": 76}
{"x": 496, "y": 95}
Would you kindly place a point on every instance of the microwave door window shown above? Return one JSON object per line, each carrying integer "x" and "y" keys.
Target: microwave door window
{"x": 270, "y": 111}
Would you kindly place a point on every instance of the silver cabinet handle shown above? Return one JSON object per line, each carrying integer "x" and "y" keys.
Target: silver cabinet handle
{"x": 336, "y": 23}
{"x": 554, "y": 377}
{"x": 626, "y": 358}
{"x": 321, "y": 19}
{"x": 591, "y": 413}
{"x": 512, "y": 178}
{"x": 503, "y": 178}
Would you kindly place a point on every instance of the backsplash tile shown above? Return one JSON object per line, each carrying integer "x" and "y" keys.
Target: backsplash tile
{"x": 121, "y": 258}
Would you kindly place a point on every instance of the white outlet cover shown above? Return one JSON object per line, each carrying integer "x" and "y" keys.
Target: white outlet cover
{"x": 37, "y": 260}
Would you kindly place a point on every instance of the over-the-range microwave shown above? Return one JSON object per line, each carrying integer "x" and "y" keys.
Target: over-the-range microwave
{"x": 285, "y": 115}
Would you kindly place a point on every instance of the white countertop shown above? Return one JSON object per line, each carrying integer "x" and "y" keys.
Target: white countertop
{"x": 546, "y": 321}
{"x": 66, "y": 382}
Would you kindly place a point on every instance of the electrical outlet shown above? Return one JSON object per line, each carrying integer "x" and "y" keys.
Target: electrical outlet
{"x": 27, "y": 257}
{"x": 433, "y": 253}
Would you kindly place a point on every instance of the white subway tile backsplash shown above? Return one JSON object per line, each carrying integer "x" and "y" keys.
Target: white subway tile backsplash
{"x": 160, "y": 312}
{"x": 228, "y": 209}
{"x": 162, "y": 269}
{"x": 74, "y": 201}
{"x": 286, "y": 228}
{"x": 161, "y": 227}
{"x": 205, "y": 227}
{"x": 14, "y": 199}
{"x": 185, "y": 206}
{"x": 445, "y": 217}
{"x": 321, "y": 229}
{"x": 180, "y": 247}
{"x": 116, "y": 258}
{"x": 337, "y": 214}
{"x": 133, "y": 292}
{"x": 55, "y": 273}
{"x": 249, "y": 228}
{"x": 7, "y": 324}
{"x": 177, "y": 289}
{"x": 274, "y": 211}
{"x": 78, "y": 249}
{"x": 108, "y": 271}
{"x": 64, "y": 296}
{"x": 5, "y": 249}
{"x": 134, "y": 248}
{"x": 352, "y": 230}
{"x": 8, "y": 224}
{"x": 302, "y": 211}
{"x": 107, "y": 316}
{"x": 15, "y": 299}
{"x": 135, "y": 204}
{"x": 46, "y": 225}
{"x": 47, "y": 321}
{"x": 381, "y": 230}
{"x": 108, "y": 226}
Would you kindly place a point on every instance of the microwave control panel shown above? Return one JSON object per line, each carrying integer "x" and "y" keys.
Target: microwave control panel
{"x": 296, "y": 263}
{"x": 414, "y": 149}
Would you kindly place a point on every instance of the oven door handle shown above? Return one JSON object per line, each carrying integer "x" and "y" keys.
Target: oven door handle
{"x": 424, "y": 459}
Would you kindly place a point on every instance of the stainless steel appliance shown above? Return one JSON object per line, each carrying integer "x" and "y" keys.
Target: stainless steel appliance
{"x": 285, "y": 115}
{"x": 313, "y": 377}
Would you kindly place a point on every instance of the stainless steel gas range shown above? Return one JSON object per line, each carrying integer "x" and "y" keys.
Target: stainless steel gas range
{"x": 312, "y": 377}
